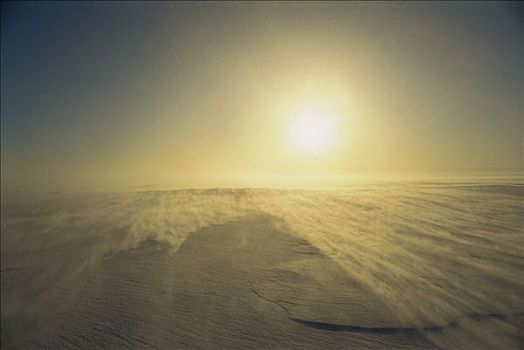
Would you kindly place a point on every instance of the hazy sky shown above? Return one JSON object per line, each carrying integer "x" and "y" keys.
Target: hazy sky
{"x": 115, "y": 94}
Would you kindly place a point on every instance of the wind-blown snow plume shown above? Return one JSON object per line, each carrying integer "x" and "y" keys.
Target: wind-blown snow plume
{"x": 432, "y": 252}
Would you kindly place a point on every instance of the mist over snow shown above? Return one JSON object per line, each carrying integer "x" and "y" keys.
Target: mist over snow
{"x": 435, "y": 253}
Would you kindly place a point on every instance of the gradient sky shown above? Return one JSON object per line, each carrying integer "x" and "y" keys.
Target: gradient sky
{"x": 190, "y": 94}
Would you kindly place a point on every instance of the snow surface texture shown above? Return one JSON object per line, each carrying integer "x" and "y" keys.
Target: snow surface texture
{"x": 401, "y": 265}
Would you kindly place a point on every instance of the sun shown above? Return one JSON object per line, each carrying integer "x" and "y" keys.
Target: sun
{"x": 311, "y": 131}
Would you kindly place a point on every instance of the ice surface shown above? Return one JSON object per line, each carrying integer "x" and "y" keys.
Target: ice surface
{"x": 393, "y": 265}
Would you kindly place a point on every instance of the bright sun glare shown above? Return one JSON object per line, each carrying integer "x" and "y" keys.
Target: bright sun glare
{"x": 312, "y": 131}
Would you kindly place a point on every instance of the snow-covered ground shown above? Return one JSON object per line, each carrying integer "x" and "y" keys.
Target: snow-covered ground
{"x": 383, "y": 265}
